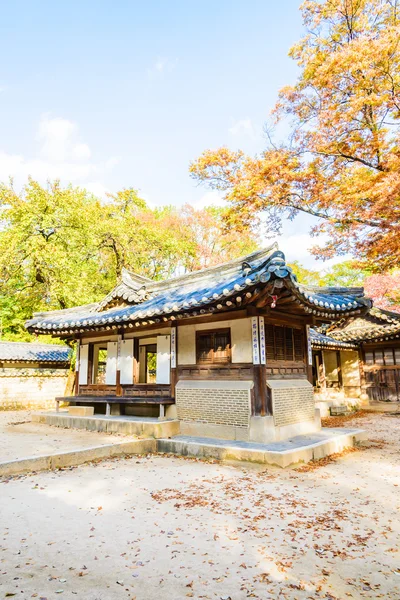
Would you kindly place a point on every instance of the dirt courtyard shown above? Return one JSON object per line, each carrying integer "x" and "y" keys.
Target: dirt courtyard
{"x": 161, "y": 527}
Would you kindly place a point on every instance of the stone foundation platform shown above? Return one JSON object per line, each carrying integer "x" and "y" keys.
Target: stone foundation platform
{"x": 144, "y": 427}
{"x": 299, "y": 449}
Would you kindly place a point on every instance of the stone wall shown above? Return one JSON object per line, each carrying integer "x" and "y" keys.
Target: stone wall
{"x": 22, "y": 388}
{"x": 213, "y": 402}
{"x": 292, "y": 401}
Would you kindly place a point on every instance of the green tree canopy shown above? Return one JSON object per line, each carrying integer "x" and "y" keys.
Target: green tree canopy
{"x": 61, "y": 246}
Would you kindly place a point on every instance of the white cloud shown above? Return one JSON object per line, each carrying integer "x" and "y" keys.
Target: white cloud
{"x": 81, "y": 151}
{"x": 98, "y": 189}
{"x": 212, "y": 198}
{"x": 60, "y": 140}
{"x": 160, "y": 66}
{"x": 243, "y": 127}
{"x": 61, "y": 155}
{"x": 112, "y": 162}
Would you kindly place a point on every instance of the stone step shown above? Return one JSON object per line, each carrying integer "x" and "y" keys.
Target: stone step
{"x": 300, "y": 449}
{"x": 138, "y": 426}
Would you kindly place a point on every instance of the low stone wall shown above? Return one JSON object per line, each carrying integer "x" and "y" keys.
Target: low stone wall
{"x": 214, "y": 402}
{"x": 292, "y": 401}
{"x": 31, "y": 388}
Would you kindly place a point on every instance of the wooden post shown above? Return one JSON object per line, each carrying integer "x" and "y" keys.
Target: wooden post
{"x": 90, "y": 364}
{"x": 118, "y": 373}
{"x": 363, "y": 383}
{"x": 339, "y": 368}
{"x": 77, "y": 368}
{"x": 135, "y": 360}
{"x": 108, "y": 409}
{"x": 259, "y": 407}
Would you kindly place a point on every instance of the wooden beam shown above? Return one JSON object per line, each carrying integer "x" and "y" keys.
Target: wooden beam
{"x": 228, "y": 315}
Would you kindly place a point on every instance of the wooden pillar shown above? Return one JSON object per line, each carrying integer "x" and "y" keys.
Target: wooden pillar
{"x": 339, "y": 368}
{"x": 363, "y": 383}
{"x": 118, "y": 373}
{"x": 260, "y": 406}
{"x": 174, "y": 360}
{"x": 77, "y": 368}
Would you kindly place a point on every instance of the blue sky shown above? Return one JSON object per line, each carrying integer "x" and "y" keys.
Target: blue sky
{"x": 125, "y": 94}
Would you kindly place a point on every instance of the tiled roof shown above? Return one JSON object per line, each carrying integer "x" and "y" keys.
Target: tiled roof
{"x": 319, "y": 341}
{"x": 27, "y": 352}
{"x": 376, "y": 325}
{"x": 217, "y": 289}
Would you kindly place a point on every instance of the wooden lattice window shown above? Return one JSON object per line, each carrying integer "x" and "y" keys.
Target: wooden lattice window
{"x": 284, "y": 343}
{"x": 213, "y": 346}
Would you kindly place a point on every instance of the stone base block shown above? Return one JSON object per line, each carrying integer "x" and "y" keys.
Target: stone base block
{"x": 81, "y": 411}
{"x": 115, "y": 410}
{"x": 221, "y": 432}
{"x": 264, "y": 431}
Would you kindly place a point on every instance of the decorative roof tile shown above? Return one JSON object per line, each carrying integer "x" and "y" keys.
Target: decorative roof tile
{"x": 320, "y": 341}
{"x": 376, "y": 325}
{"x": 220, "y": 288}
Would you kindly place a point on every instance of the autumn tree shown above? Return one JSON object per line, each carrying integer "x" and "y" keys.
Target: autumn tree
{"x": 213, "y": 241}
{"x": 341, "y": 161}
{"x": 384, "y": 290}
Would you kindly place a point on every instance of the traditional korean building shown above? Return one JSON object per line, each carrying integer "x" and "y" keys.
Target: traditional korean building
{"x": 225, "y": 350}
{"x": 337, "y": 372}
{"x": 376, "y": 336}
{"x": 32, "y": 375}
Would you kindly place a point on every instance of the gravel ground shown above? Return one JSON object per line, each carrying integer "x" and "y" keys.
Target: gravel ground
{"x": 161, "y": 527}
{"x": 20, "y": 438}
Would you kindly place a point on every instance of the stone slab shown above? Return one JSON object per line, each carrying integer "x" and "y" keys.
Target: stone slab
{"x": 300, "y": 449}
{"x": 148, "y": 427}
{"x": 76, "y": 457}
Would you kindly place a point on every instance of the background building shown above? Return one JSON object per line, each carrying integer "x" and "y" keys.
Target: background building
{"x": 32, "y": 375}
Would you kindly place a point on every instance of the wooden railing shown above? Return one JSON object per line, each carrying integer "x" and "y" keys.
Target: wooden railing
{"x": 145, "y": 390}
{"x": 97, "y": 390}
{"x": 216, "y": 371}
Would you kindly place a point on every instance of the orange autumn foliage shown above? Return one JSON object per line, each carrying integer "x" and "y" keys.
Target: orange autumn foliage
{"x": 341, "y": 161}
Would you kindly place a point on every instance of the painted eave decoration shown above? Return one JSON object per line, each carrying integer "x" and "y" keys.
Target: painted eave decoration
{"x": 11, "y": 352}
{"x": 376, "y": 326}
{"x": 261, "y": 279}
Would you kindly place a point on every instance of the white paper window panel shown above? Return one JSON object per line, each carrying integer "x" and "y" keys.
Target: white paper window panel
{"x": 111, "y": 365}
{"x": 83, "y": 364}
{"x": 126, "y": 362}
{"x": 163, "y": 359}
